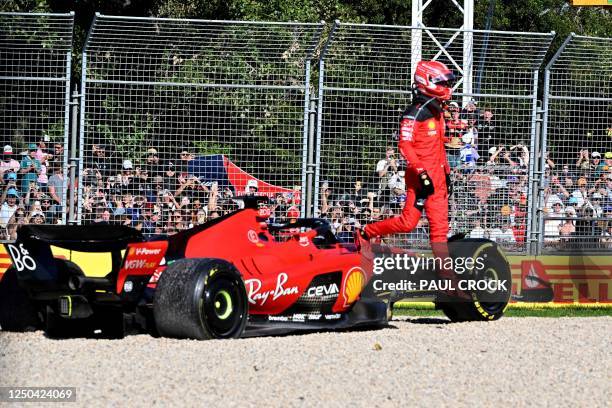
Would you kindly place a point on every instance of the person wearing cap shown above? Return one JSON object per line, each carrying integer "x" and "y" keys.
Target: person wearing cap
{"x": 597, "y": 165}
{"x": 126, "y": 180}
{"x": 551, "y": 198}
{"x": 10, "y": 177}
{"x": 494, "y": 155}
{"x": 455, "y": 125}
{"x": 36, "y": 217}
{"x": 470, "y": 113}
{"x": 46, "y": 207}
{"x": 9, "y": 200}
{"x": 251, "y": 187}
{"x": 8, "y": 162}
{"x": 29, "y": 169}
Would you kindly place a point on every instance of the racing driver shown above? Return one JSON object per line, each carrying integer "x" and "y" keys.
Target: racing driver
{"x": 421, "y": 142}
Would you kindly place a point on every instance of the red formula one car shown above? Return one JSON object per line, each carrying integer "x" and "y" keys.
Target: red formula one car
{"x": 230, "y": 277}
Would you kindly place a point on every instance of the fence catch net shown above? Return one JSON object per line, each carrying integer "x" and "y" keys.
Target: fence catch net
{"x": 577, "y": 187}
{"x": 181, "y": 116}
{"x": 366, "y": 86}
{"x": 35, "y": 58}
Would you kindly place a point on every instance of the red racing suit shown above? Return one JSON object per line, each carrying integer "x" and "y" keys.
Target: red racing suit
{"x": 421, "y": 142}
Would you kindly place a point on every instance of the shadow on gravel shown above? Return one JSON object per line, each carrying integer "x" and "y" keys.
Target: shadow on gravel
{"x": 425, "y": 320}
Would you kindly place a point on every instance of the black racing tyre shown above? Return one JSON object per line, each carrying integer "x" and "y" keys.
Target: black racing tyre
{"x": 200, "y": 299}
{"x": 18, "y": 313}
{"x": 485, "y": 305}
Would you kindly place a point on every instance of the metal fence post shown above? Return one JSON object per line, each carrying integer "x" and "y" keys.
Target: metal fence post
{"x": 535, "y": 185}
{"x": 74, "y": 156}
{"x": 306, "y": 183}
{"x": 79, "y": 210}
{"x": 533, "y": 168}
{"x": 66, "y": 136}
{"x": 310, "y": 164}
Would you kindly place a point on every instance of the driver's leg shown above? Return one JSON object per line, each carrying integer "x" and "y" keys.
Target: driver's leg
{"x": 403, "y": 223}
{"x": 436, "y": 209}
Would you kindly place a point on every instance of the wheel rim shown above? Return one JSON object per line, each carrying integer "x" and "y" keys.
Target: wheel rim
{"x": 491, "y": 307}
{"x": 223, "y": 305}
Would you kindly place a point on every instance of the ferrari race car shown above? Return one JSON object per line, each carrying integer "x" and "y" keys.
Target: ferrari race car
{"x": 233, "y": 276}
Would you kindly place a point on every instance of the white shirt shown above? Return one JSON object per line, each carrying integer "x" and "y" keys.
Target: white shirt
{"x": 380, "y": 166}
{"x": 551, "y": 229}
{"x": 6, "y": 212}
{"x": 398, "y": 182}
{"x": 499, "y": 235}
{"x": 477, "y": 232}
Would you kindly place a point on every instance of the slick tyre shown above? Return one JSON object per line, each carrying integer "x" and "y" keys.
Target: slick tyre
{"x": 484, "y": 306}
{"x": 200, "y": 299}
{"x": 18, "y": 313}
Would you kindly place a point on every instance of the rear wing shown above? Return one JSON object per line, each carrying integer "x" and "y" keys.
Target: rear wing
{"x": 32, "y": 256}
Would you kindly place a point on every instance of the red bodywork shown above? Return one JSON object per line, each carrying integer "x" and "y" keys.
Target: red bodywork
{"x": 275, "y": 273}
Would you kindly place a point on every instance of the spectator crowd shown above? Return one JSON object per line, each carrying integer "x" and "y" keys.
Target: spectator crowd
{"x": 491, "y": 189}
{"x": 154, "y": 195}
{"x": 154, "y": 192}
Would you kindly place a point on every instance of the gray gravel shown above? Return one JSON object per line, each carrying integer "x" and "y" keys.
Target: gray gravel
{"x": 418, "y": 361}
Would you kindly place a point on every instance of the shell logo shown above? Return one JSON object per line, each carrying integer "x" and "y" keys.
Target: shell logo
{"x": 431, "y": 124}
{"x": 353, "y": 285}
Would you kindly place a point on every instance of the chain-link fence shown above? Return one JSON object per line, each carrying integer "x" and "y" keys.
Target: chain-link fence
{"x": 178, "y": 116}
{"x": 35, "y": 58}
{"x": 577, "y": 184}
{"x": 365, "y": 86}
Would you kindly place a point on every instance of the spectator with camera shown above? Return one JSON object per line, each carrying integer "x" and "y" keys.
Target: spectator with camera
{"x": 385, "y": 169}
{"x": 10, "y": 198}
{"x": 522, "y": 153}
{"x": 471, "y": 113}
{"x": 29, "y": 169}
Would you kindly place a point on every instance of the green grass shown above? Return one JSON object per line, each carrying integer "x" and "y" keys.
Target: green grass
{"x": 515, "y": 310}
